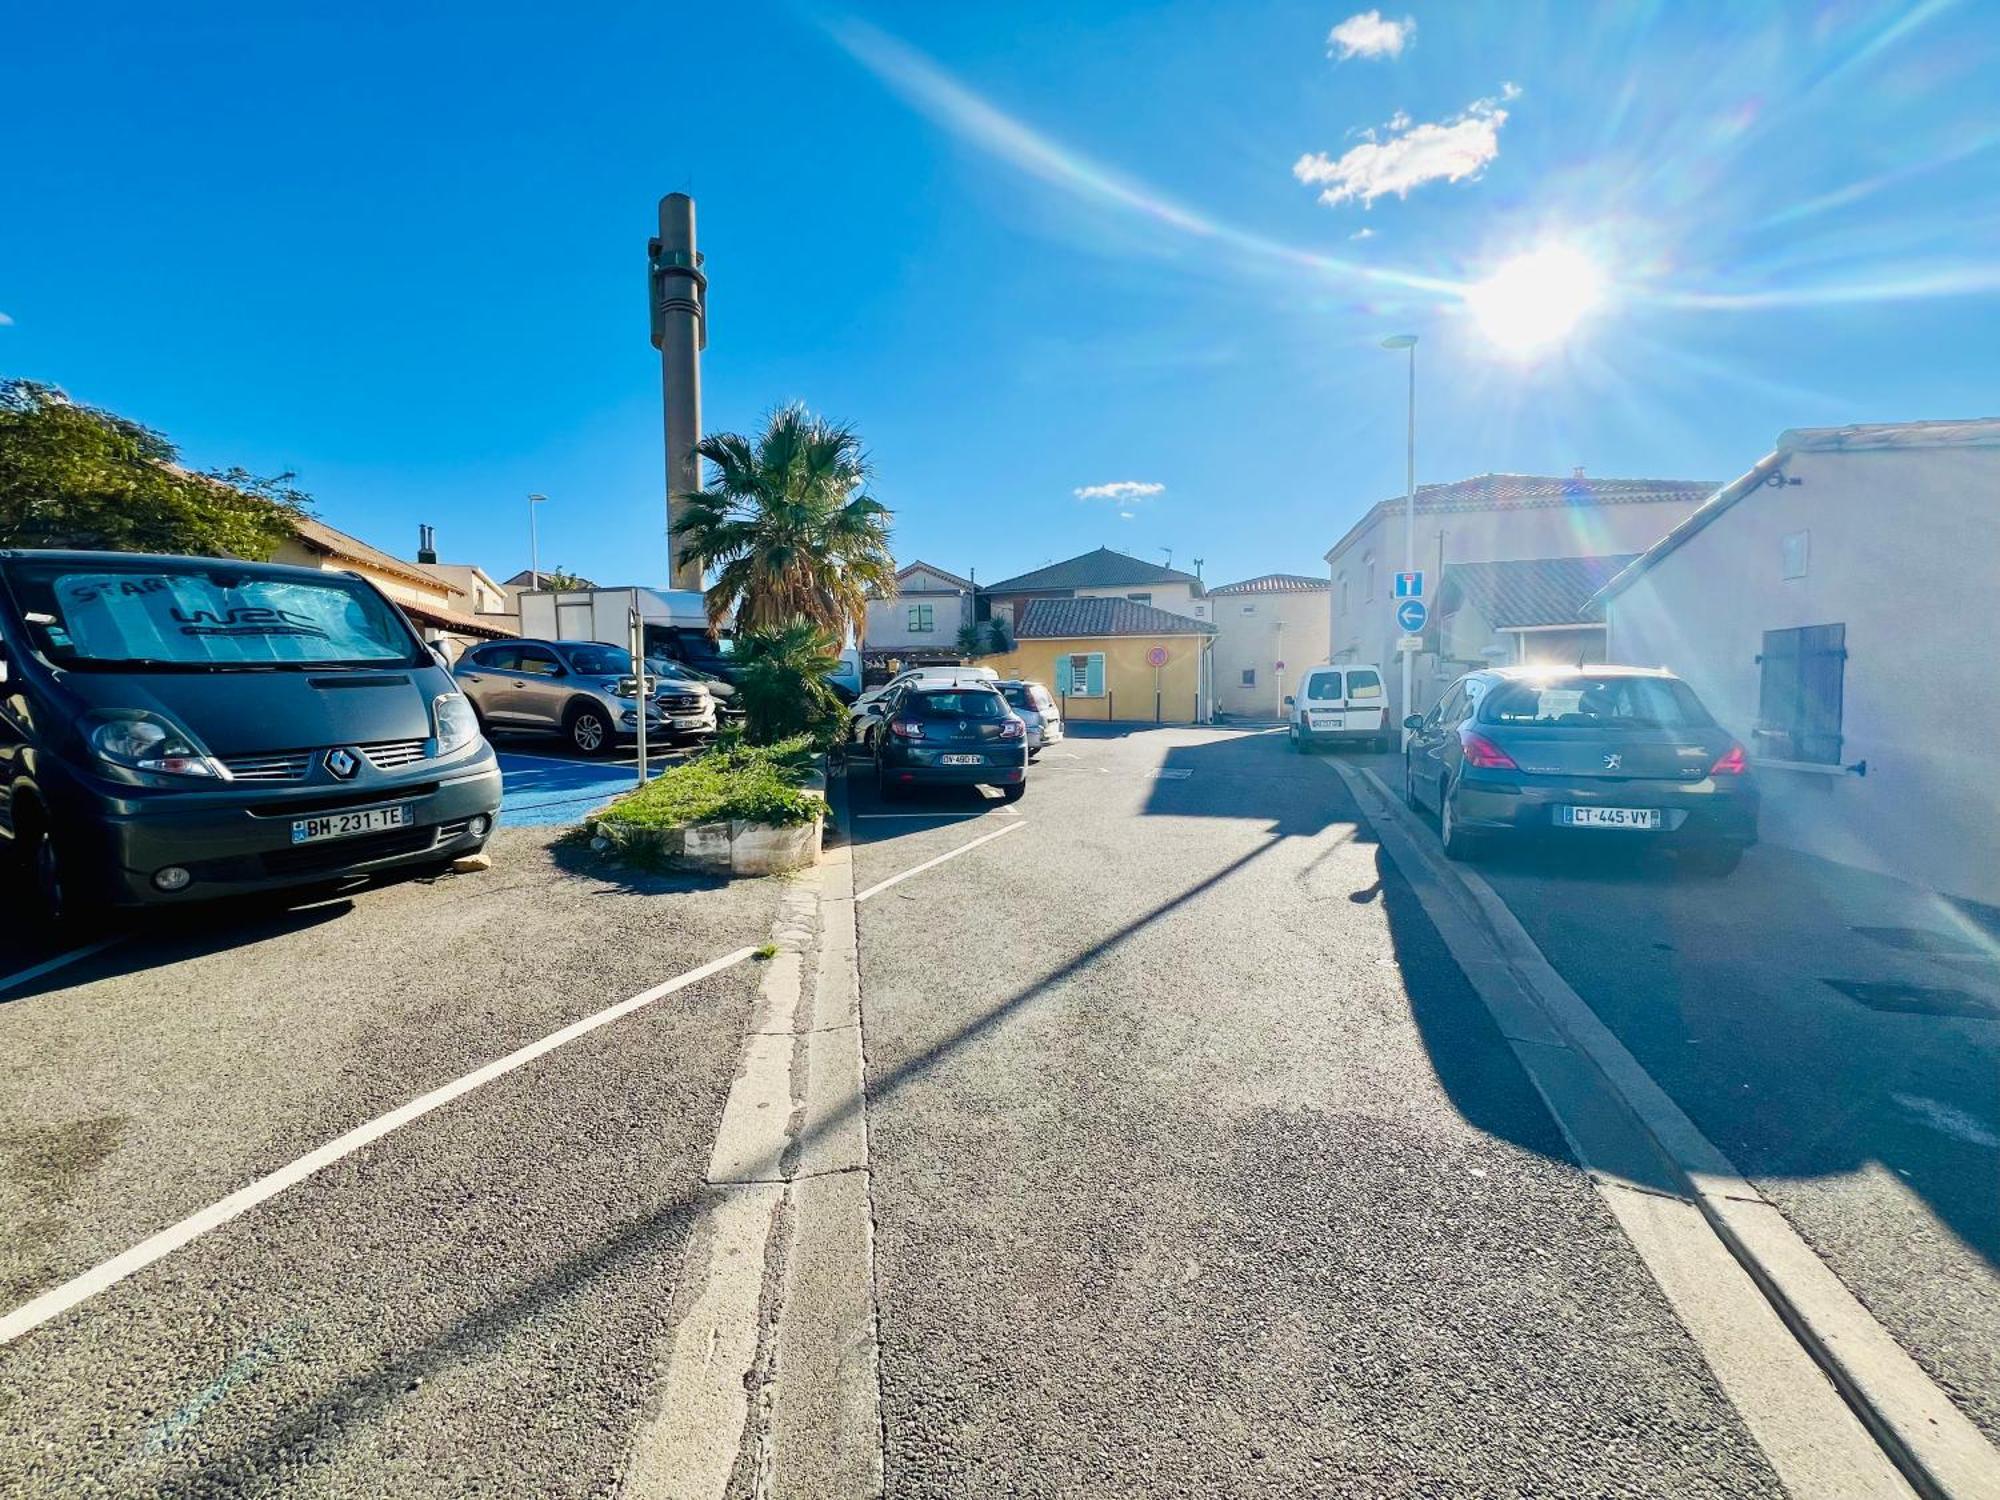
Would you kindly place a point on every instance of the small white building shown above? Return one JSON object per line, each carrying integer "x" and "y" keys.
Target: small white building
{"x": 923, "y": 620}
{"x": 1832, "y": 608}
{"x": 1267, "y": 630}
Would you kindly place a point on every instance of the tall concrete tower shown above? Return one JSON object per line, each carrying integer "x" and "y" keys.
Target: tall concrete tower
{"x": 678, "y": 292}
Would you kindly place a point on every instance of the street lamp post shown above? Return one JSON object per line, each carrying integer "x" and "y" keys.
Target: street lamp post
{"x": 1408, "y": 341}
{"x": 534, "y": 546}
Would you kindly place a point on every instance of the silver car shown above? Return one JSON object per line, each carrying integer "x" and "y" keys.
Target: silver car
{"x": 1036, "y": 706}
{"x": 582, "y": 690}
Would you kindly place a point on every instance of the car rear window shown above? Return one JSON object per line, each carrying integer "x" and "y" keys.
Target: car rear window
{"x": 1323, "y": 685}
{"x": 1608, "y": 702}
{"x": 1364, "y": 684}
{"x": 1018, "y": 696}
{"x": 968, "y": 703}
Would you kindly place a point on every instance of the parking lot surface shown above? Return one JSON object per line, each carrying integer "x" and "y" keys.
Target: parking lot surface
{"x": 470, "y": 1304}
{"x": 1198, "y": 1169}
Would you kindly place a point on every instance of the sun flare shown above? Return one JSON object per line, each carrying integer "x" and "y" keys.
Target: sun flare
{"x": 1536, "y": 300}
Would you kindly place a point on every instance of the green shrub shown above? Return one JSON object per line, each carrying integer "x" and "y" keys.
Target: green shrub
{"x": 783, "y": 683}
{"x": 756, "y": 783}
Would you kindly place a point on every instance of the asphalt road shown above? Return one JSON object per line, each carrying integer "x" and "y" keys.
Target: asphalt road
{"x": 473, "y": 1304}
{"x": 1198, "y": 1170}
{"x": 1874, "y": 1128}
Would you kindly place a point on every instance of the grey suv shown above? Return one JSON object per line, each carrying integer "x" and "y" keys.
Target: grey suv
{"x": 582, "y": 690}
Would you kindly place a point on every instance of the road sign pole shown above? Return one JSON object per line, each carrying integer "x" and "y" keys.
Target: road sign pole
{"x": 1410, "y": 523}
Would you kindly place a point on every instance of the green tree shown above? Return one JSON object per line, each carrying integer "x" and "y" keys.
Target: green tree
{"x": 783, "y": 681}
{"x": 788, "y": 527}
{"x": 75, "y": 476}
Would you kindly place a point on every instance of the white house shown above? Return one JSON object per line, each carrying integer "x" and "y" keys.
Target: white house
{"x": 1266, "y": 630}
{"x": 923, "y": 620}
{"x": 1489, "y": 518}
{"x": 1832, "y": 607}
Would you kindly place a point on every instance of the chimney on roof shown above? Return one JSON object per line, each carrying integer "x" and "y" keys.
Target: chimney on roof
{"x": 1577, "y": 472}
{"x": 427, "y": 545}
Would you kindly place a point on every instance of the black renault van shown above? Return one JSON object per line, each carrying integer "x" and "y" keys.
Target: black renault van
{"x": 175, "y": 728}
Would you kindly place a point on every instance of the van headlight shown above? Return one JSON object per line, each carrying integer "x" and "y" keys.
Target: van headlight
{"x": 457, "y": 724}
{"x": 153, "y": 744}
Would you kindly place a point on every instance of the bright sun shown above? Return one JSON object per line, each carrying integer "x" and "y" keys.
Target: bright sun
{"x": 1534, "y": 300}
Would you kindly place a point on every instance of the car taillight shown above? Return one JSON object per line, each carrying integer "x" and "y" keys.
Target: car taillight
{"x": 1482, "y": 752}
{"x": 1731, "y": 764}
{"x": 1013, "y": 729}
{"x": 906, "y": 729}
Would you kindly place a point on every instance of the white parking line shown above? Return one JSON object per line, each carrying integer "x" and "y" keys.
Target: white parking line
{"x": 60, "y": 961}
{"x": 964, "y": 848}
{"x": 50, "y": 1304}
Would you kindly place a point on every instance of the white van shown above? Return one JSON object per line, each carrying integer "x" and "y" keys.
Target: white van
{"x": 1340, "y": 705}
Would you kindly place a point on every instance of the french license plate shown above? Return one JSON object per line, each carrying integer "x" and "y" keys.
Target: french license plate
{"x": 1608, "y": 817}
{"x": 962, "y": 760}
{"x": 1324, "y": 720}
{"x": 345, "y": 825}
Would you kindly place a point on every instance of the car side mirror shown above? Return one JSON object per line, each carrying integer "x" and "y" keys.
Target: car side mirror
{"x": 1414, "y": 721}
{"x": 1290, "y": 701}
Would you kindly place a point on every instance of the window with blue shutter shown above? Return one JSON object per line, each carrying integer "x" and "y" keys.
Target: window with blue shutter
{"x": 1081, "y": 674}
{"x": 1800, "y": 692}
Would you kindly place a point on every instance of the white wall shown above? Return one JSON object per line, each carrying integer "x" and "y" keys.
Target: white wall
{"x": 1174, "y": 598}
{"x": 1901, "y": 549}
{"x": 888, "y": 622}
{"x": 1254, "y": 632}
{"x": 1367, "y": 631}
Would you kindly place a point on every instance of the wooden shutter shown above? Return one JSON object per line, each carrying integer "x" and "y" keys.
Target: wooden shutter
{"x": 1822, "y": 686}
{"x": 1778, "y": 695}
{"x": 1095, "y": 687}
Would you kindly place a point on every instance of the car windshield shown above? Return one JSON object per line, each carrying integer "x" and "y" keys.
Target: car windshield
{"x": 1604, "y": 702}
{"x": 967, "y": 703}
{"x": 599, "y": 661}
{"x": 197, "y": 616}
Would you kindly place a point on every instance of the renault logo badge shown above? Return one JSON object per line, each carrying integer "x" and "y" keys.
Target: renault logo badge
{"x": 343, "y": 763}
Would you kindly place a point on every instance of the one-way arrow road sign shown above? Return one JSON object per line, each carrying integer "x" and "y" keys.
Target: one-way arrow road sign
{"x": 1411, "y": 614}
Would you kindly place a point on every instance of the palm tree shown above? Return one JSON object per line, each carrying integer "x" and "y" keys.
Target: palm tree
{"x": 788, "y": 527}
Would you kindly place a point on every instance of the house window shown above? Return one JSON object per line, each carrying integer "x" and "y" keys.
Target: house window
{"x": 1249, "y": 676}
{"x": 1140, "y": 598}
{"x": 1792, "y": 551}
{"x": 921, "y": 620}
{"x": 1368, "y": 576}
{"x": 1343, "y": 595}
{"x": 1082, "y": 675}
{"x": 1799, "y": 694}
{"x": 1249, "y": 609}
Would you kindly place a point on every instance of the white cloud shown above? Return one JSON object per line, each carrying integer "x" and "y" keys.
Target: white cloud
{"x": 5, "y": 321}
{"x": 1363, "y": 233}
{"x": 1409, "y": 156}
{"x": 1368, "y": 35}
{"x": 1127, "y": 490}
{"x": 1126, "y": 515}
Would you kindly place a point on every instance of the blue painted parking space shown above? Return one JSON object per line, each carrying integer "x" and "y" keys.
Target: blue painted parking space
{"x": 541, "y": 790}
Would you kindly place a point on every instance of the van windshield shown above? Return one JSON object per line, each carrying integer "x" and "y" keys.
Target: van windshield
{"x": 197, "y": 616}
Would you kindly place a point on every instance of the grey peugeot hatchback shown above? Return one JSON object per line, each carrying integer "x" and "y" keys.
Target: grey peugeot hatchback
{"x": 1594, "y": 752}
{"x": 175, "y": 728}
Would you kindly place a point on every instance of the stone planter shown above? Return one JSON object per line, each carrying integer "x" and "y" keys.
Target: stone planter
{"x": 735, "y": 847}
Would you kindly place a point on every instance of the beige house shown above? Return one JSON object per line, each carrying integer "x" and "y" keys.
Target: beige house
{"x": 923, "y": 620}
{"x": 1267, "y": 630}
{"x": 479, "y": 592}
{"x": 1831, "y": 608}
{"x": 1526, "y": 611}
{"x": 1490, "y": 518}
{"x": 434, "y": 606}
{"x": 1102, "y": 574}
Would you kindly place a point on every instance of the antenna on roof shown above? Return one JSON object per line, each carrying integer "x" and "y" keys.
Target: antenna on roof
{"x": 1170, "y": 555}
{"x": 1197, "y": 566}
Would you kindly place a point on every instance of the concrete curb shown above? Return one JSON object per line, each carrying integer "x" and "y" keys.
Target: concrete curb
{"x": 1931, "y": 1442}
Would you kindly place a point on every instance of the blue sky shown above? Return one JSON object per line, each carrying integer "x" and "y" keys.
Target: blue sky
{"x": 1026, "y": 250}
